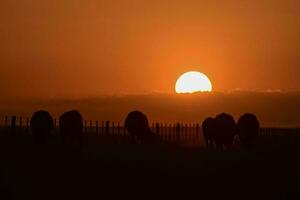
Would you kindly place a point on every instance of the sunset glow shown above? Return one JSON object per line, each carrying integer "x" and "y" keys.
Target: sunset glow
{"x": 193, "y": 81}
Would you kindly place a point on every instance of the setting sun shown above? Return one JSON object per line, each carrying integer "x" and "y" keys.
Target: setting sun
{"x": 193, "y": 81}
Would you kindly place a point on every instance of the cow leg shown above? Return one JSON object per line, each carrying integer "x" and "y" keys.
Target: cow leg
{"x": 207, "y": 143}
{"x": 228, "y": 146}
{"x": 211, "y": 145}
{"x": 218, "y": 146}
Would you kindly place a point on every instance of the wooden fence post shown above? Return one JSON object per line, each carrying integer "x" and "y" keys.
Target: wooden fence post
{"x": 198, "y": 133}
{"x": 97, "y": 133}
{"x": 173, "y": 133}
{"x": 170, "y": 132}
{"x": 157, "y": 128}
{"x": 21, "y": 123}
{"x": 189, "y": 128}
{"x": 113, "y": 128}
{"x": 185, "y": 131}
{"x": 162, "y": 131}
{"x": 13, "y": 125}
{"x": 27, "y": 124}
{"x": 119, "y": 129}
{"x": 123, "y": 130}
{"x": 102, "y": 127}
{"x": 91, "y": 126}
{"x": 178, "y": 132}
{"x": 166, "y": 129}
{"x": 107, "y": 128}
{"x": 6, "y": 121}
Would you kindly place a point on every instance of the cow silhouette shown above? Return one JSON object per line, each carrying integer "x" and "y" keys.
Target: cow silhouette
{"x": 137, "y": 125}
{"x": 210, "y": 131}
{"x": 41, "y": 124}
{"x": 227, "y": 130}
{"x": 71, "y": 126}
{"x": 248, "y": 129}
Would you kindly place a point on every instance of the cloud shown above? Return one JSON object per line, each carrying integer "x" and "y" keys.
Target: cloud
{"x": 273, "y": 108}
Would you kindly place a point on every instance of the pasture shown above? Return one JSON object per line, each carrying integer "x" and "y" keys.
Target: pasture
{"x": 109, "y": 167}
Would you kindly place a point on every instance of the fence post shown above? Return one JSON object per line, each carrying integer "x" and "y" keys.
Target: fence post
{"x": 91, "y": 126}
{"x": 6, "y": 122}
{"x": 189, "y": 131}
{"x": 113, "y": 128}
{"x": 107, "y": 128}
{"x": 170, "y": 132}
{"x": 166, "y": 129}
{"x": 13, "y": 125}
{"x": 97, "y": 133}
{"x": 184, "y": 131}
{"x": 162, "y": 131}
{"x": 21, "y": 123}
{"x": 119, "y": 129}
{"x": 178, "y": 132}
{"x": 198, "y": 133}
{"x": 102, "y": 127}
{"x": 27, "y": 123}
{"x": 123, "y": 130}
{"x": 173, "y": 133}
{"x": 157, "y": 128}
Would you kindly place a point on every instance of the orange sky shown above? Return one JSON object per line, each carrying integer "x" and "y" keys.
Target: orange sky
{"x": 61, "y": 48}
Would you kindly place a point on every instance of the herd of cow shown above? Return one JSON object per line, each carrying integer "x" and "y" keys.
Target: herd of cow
{"x": 218, "y": 132}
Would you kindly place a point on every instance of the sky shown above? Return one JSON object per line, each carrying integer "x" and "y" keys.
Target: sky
{"x": 84, "y": 48}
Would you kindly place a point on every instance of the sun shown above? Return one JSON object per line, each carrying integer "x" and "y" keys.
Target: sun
{"x": 193, "y": 81}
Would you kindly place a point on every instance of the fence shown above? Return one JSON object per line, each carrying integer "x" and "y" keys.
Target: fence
{"x": 187, "y": 134}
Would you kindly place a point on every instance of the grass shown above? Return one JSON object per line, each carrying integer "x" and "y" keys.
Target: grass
{"x": 270, "y": 170}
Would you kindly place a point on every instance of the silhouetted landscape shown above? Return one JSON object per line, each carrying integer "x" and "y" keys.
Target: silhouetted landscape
{"x": 44, "y": 160}
{"x": 149, "y": 99}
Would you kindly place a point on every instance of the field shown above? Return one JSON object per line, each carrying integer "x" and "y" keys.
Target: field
{"x": 118, "y": 170}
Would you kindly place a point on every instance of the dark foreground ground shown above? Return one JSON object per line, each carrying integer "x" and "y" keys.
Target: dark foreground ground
{"x": 269, "y": 171}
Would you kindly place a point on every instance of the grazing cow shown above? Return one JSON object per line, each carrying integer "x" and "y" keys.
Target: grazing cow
{"x": 226, "y": 131}
{"x": 248, "y": 129}
{"x": 210, "y": 131}
{"x": 70, "y": 124}
{"x": 41, "y": 124}
{"x": 136, "y": 124}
